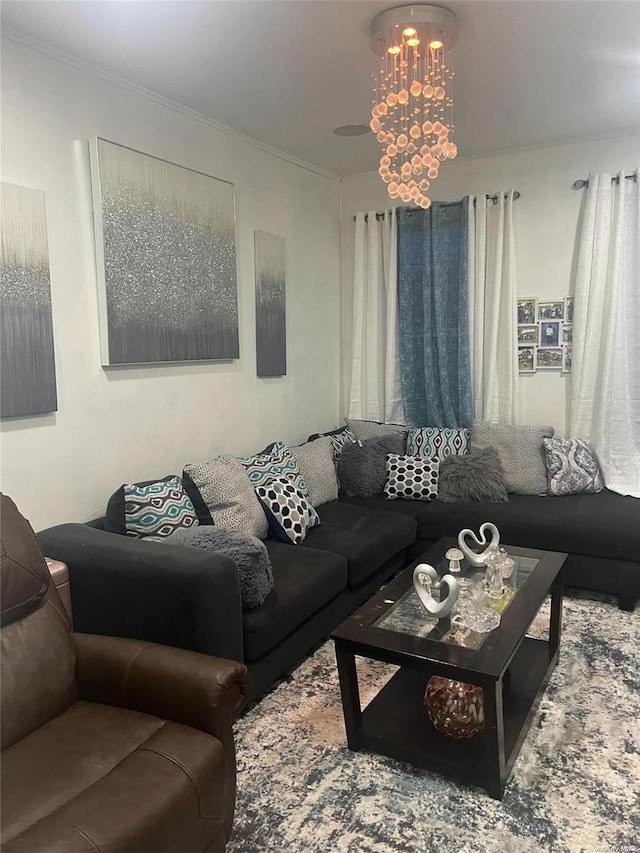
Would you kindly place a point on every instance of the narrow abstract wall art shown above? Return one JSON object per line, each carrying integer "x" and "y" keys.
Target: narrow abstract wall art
{"x": 271, "y": 325}
{"x": 27, "y": 361}
{"x": 166, "y": 259}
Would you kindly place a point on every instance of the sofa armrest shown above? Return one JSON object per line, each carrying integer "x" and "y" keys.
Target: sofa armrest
{"x": 197, "y": 690}
{"x": 169, "y": 594}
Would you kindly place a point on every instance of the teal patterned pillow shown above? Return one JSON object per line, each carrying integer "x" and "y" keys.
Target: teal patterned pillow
{"x": 277, "y": 462}
{"x": 438, "y": 442}
{"x": 158, "y": 509}
{"x": 289, "y": 512}
{"x": 411, "y": 477}
{"x": 571, "y": 467}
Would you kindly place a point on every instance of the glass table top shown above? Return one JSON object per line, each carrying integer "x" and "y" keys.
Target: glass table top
{"x": 408, "y": 616}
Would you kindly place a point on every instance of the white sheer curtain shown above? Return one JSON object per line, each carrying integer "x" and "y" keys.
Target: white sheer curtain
{"x": 376, "y": 389}
{"x": 492, "y": 308}
{"x": 605, "y": 379}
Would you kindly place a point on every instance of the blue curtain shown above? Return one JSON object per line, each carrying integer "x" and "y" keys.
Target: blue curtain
{"x": 434, "y": 315}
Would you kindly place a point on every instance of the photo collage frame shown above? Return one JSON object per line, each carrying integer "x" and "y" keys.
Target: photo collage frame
{"x": 545, "y": 334}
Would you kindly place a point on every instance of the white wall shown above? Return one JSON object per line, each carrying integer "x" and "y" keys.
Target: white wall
{"x": 546, "y": 220}
{"x": 125, "y": 424}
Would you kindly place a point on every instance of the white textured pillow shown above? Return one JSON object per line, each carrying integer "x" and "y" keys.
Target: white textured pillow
{"x": 315, "y": 460}
{"x": 520, "y": 452}
{"x": 229, "y": 495}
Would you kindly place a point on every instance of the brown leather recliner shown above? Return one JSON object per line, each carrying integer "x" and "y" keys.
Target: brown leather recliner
{"x": 108, "y": 744}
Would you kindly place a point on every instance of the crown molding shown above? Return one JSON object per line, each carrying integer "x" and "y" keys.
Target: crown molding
{"x": 85, "y": 67}
{"x": 576, "y": 140}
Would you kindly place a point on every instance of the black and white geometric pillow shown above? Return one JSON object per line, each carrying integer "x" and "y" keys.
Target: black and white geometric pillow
{"x": 158, "y": 509}
{"x": 411, "y": 477}
{"x": 571, "y": 467}
{"x": 289, "y": 512}
{"x": 438, "y": 442}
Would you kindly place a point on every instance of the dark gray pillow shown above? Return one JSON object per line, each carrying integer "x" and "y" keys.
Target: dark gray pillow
{"x": 476, "y": 476}
{"x": 362, "y": 467}
{"x": 248, "y": 553}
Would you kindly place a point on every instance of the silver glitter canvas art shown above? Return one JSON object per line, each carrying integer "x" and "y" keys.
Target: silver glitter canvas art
{"x": 27, "y": 363}
{"x": 166, "y": 259}
{"x": 271, "y": 328}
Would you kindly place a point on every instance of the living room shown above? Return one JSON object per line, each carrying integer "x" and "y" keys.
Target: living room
{"x": 125, "y": 72}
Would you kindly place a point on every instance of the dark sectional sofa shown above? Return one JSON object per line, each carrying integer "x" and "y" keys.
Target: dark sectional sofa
{"x": 185, "y": 597}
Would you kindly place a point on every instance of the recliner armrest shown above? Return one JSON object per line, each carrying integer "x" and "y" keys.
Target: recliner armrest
{"x": 175, "y": 595}
{"x": 197, "y": 690}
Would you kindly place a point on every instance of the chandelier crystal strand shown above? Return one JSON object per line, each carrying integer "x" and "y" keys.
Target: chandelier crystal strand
{"x": 412, "y": 107}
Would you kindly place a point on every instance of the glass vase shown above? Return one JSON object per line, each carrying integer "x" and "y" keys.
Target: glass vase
{"x": 455, "y": 708}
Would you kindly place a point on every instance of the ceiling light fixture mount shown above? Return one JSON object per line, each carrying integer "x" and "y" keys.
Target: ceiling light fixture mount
{"x": 412, "y": 104}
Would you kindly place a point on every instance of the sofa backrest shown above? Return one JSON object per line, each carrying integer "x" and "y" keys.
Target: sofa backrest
{"x": 36, "y": 645}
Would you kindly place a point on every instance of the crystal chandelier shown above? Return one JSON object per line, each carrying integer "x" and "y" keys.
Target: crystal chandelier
{"x": 412, "y": 105}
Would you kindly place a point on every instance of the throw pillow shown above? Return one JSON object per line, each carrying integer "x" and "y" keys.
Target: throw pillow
{"x": 372, "y": 429}
{"x": 276, "y": 462}
{"x": 228, "y": 495}
{"x": 411, "y": 477}
{"x": 248, "y": 553}
{"x": 315, "y": 460}
{"x": 340, "y": 438}
{"x": 571, "y": 467}
{"x": 362, "y": 467}
{"x": 520, "y": 451}
{"x": 437, "y": 442}
{"x": 476, "y": 476}
{"x": 157, "y": 509}
{"x": 114, "y": 515}
{"x": 288, "y": 510}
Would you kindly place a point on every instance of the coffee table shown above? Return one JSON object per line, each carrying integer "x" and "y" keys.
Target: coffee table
{"x": 512, "y": 668}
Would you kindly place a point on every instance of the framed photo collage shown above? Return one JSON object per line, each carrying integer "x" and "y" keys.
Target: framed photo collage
{"x": 545, "y": 334}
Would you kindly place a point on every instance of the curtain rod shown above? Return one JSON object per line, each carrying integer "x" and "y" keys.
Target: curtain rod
{"x": 492, "y": 198}
{"x": 582, "y": 183}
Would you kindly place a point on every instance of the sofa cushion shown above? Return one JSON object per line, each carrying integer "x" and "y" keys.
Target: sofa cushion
{"x": 114, "y": 520}
{"x": 411, "y": 477}
{"x": 315, "y": 460}
{"x": 249, "y": 554}
{"x": 520, "y": 451}
{"x": 340, "y": 438}
{"x": 596, "y": 525}
{"x": 229, "y": 496}
{"x": 362, "y": 466}
{"x": 289, "y": 512}
{"x": 366, "y": 538}
{"x": 476, "y": 476}
{"x": 304, "y": 582}
{"x": 372, "y": 429}
{"x": 275, "y": 462}
{"x": 437, "y": 442}
{"x": 103, "y": 773}
{"x": 571, "y": 467}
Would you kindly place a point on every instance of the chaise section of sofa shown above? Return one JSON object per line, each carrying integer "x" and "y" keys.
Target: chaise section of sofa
{"x": 599, "y": 532}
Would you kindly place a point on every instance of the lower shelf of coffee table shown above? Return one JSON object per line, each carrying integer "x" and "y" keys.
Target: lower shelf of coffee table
{"x": 395, "y": 723}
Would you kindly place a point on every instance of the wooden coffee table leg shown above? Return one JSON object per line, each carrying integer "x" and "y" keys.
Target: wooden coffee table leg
{"x": 555, "y": 620}
{"x": 494, "y": 739}
{"x": 350, "y": 694}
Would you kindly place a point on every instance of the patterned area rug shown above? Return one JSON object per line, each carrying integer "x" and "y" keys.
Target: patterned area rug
{"x": 575, "y": 786}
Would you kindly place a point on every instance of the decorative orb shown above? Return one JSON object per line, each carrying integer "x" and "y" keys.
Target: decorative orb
{"x": 414, "y": 133}
{"x": 392, "y": 150}
{"x": 424, "y": 202}
{"x": 382, "y": 108}
{"x": 390, "y": 138}
{"x": 381, "y": 137}
{"x": 428, "y": 91}
{"x": 385, "y": 160}
{"x": 392, "y": 193}
{"x": 416, "y": 160}
{"x": 386, "y": 177}
{"x": 427, "y": 127}
{"x": 436, "y": 151}
{"x": 375, "y": 125}
{"x": 424, "y": 185}
{"x": 437, "y": 128}
{"x": 403, "y": 97}
{"x": 433, "y": 172}
{"x": 438, "y": 93}
{"x": 426, "y": 160}
{"x": 419, "y": 169}
{"x": 414, "y": 192}
{"x": 416, "y": 89}
{"x": 444, "y": 132}
{"x": 392, "y": 99}
{"x": 411, "y": 147}
{"x": 402, "y": 188}
{"x": 453, "y": 150}
{"x": 402, "y": 140}
{"x": 455, "y": 708}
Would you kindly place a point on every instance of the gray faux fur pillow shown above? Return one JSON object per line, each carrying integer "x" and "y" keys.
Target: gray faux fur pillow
{"x": 248, "y": 553}
{"x": 362, "y": 467}
{"x": 476, "y": 476}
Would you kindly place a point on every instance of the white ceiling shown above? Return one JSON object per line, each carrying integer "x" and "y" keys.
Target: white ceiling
{"x": 287, "y": 72}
